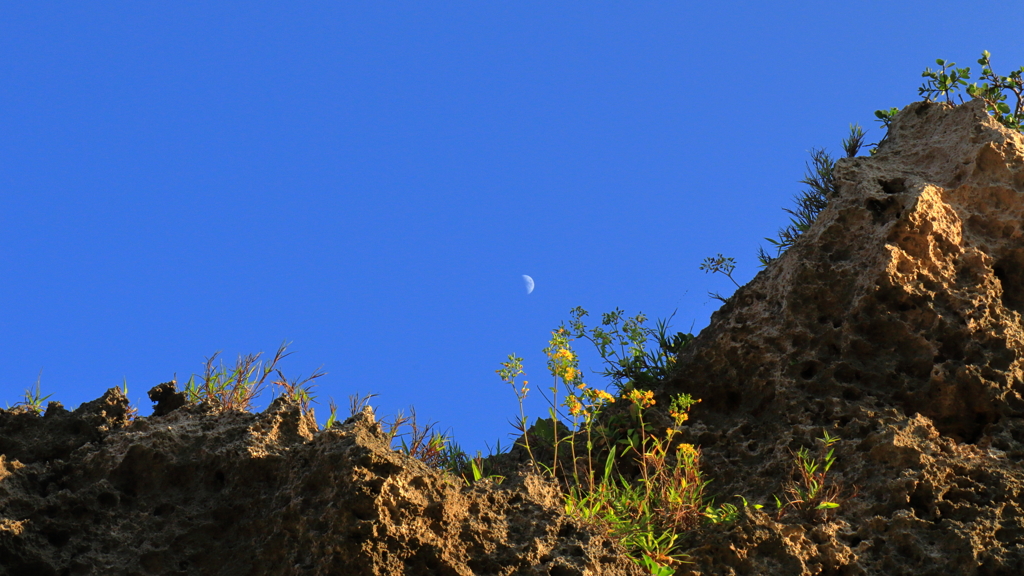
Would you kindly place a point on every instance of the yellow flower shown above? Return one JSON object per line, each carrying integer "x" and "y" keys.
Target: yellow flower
{"x": 563, "y": 354}
{"x": 688, "y": 451}
{"x": 574, "y": 405}
{"x": 641, "y": 398}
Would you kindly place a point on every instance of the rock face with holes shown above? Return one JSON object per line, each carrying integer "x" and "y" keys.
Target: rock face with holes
{"x": 196, "y": 492}
{"x": 894, "y": 323}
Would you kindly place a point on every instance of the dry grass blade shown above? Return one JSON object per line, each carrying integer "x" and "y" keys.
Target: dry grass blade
{"x": 356, "y": 403}
{"x": 299, "y": 390}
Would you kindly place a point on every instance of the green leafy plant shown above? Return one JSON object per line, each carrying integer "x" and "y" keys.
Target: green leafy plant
{"x": 853, "y": 143}
{"x": 509, "y": 372}
{"x": 727, "y": 512}
{"x": 132, "y": 412}
{"x": 943, "y": 82}
{"x": 357, "y": 402}
{"x": 33, "y": 401}
{"x": 719, "y": 265}
{"x": 650, "y": 510}
{"x": 885, "y": 118}
{"x": 623, "y": 344}
{"x": 300, "y": 390}
{"x": 813, "y": 491}
{"x": 423, "y": 442}
{"x": 332, "y": 418}
{"x": 434, "y": 448}
{"x": 478, "y": 466}
{"x": 994, "y": 90}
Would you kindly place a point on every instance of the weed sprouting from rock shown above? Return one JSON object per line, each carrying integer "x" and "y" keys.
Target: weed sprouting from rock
{"x": 814, "y": 492}
{"x": 33, "y": 401}
{"x": 819, "y": 177}
{"x": 235, "y": 389}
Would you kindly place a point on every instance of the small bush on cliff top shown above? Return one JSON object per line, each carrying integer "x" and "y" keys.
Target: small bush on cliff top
{"x": 993, "y": 89}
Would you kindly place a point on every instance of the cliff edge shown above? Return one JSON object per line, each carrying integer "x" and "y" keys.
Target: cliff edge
{"x": 894, "y": 323}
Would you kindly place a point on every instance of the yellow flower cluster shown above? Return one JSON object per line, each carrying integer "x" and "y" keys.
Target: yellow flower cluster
{"x": 679, "y": 417}
{"x": 589, "y": 400}
{"x": 687, "y": 451}
{"x": 643, "y": 399}
{"x": 564, "y": 361}
{"x": 575, "y": 406}
{"x": 563, "y": 354}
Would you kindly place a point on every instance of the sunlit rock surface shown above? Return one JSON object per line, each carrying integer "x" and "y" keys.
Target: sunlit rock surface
{"x": 894, "y": 323}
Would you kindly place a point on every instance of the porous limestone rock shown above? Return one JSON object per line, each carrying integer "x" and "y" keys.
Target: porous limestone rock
{"x": 194, "y": 491}
{"x": 894, "y": 323}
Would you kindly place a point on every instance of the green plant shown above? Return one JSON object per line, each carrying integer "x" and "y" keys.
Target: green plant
{"x": 332, "y": 418}
{"x": 943, "y": 82}
{"x": 819, "y": 177}
{"x": 33, "y": 401}
{"x": 406, "y": 435}
{"x": 357, "y": 402}
{"x": 132, "y": 412}
{"x": 665, "y": 498}
{"x": 994, "y": 90}
{"x": 719, "y": 265}
{"x": 727, "y": 512}
{"x": 853, "y": 143}
{"x": 424, "y": 443}
{"x": 622, "y": 343}
{"x": 232, "y": 390}
{"x": 300, "y": 391}
{"x": 477, "y": 466}
{"x": 509, "y": 372}
{"x": 563, "y": 364}
{"x": 813, "y": 491}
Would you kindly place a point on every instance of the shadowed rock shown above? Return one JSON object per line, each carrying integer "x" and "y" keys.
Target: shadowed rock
{"x": 200, "y": 492}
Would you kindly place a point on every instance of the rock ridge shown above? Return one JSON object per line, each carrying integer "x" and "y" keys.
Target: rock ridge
{"x": 194, "y": 491}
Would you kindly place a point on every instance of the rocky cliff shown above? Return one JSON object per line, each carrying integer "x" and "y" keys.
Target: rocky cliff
{"x": 193, "y": 491}
{"x": 894, "y": 323}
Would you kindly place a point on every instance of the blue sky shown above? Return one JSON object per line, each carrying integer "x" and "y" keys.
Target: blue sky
{"x": 370, "y": 180}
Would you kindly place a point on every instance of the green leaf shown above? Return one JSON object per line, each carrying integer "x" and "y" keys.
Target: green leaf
{"x": 827, "y": 506}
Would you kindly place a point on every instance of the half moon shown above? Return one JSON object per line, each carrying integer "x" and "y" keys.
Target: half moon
{"x": 529, "y": 283}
